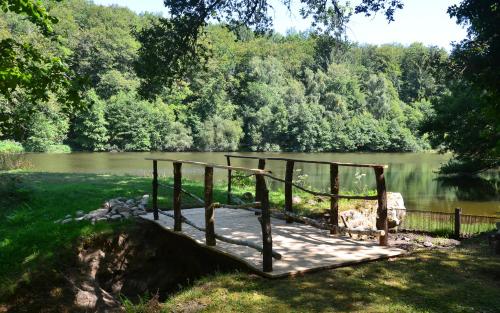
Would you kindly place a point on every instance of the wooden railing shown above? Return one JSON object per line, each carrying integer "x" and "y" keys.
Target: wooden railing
{"x": 210, "y": 235}
{"x": 334, "y": 195}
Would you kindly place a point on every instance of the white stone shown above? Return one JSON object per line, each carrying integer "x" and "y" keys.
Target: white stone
{"x": 296, "y": 199}
{"x": 97, "y": 213}
{"x": 65, "y": 221}
{"x": 396, "y": 210}
{"x": 428, "y": 244}
{"x": 115, "y": 217}
{"x": 367, "y": 216}
{"x": 79, "y": 213}
{"x": 144, "y": 200}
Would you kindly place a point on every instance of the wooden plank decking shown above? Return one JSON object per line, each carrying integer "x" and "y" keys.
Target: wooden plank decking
{"x": 303, "y": 248}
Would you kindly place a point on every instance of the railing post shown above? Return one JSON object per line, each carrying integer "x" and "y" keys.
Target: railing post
{"x": 382, "y": 205}
{"x": 458, "y": 215}
{"x": 177, "y": 196}
{"x": 155, "y": 190}
{"x": 229, "y": 179}
{"x": 262, "y": 165}
{"x": 265, "y": 220}
{"x": 334, "y": 201}
{"x": 288, "y": 189}
{"x": 209, "y": 209}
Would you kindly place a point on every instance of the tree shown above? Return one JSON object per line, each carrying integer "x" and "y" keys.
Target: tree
{"x": 219, "y": 134}
{"x": 466, "y": 119}
{"x": 171, "y": 47}
{"x": 23, "y": 66}
{"x": 90, "y": 131}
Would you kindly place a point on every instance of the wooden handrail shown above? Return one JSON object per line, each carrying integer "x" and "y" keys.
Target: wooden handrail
{"x": 324, "y": 194}
{"x": 234, "y": 168}
{"x": 307, "y": 161}
{"x": 209, "y": 229}
{"x": 334, "y": 195}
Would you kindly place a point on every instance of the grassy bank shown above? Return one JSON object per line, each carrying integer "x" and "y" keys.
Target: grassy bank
{"x": 463, "y": 280}
{"x": 31, "y": 202}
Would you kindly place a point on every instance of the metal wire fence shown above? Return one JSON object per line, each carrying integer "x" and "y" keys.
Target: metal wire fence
{"x": 445, "y": 223}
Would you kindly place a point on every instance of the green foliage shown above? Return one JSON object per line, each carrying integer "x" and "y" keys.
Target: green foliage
{"x": 10, "y": 146}
{"x": 90, "y": 126}
{"x": 466, "y": 119}
{"x": 11, "y": 155}
{"x": 46, "y": 132}
{"x": 24, "y": 65}
{"x": 271, "y": 92}
{"x": 218, "y": 134}
{"x": 465, "y": 123}
{"x": 58, "y": 149}
{"x": 138, "y": 125}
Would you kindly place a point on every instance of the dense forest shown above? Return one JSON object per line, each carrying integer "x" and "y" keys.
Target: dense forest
{"x": 271, "y": 92}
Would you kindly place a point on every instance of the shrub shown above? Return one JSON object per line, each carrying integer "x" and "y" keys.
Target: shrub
{"x": 11, "y": 155}
{"x": 45, "y": 131}
{"x": 58, "y": 149}
{"x": 10, "y": 146}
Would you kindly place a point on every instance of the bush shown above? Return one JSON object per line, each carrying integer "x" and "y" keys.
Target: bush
{"x": 58, "y": 149}
{"x": 11, "y": 155}
{"x": 45, "y": 131}
{"x": 10, "y": 146}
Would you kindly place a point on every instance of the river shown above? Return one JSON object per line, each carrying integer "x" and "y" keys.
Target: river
{"x": 412, "y": 174}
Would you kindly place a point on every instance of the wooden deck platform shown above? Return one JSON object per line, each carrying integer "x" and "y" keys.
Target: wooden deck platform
{"x": 303, "y": 248}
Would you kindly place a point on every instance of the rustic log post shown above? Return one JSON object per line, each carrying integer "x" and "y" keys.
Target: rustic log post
{"x": 334, "y": 201}
{"x": 382, "y": 205}
{"x": 267, "y": 240}
{"x": 229, "y": 179}
{"x": 155, "y": 190}
{"x": 262, "y": 165}
{"x": 209, "y": 208}
{"x": 288, "y": 189}
{"x": 458, "y": 215}
{"x": 177, "y": 196}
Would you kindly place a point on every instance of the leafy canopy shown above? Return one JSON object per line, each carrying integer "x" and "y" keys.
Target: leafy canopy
{"x": 171, "y": 47}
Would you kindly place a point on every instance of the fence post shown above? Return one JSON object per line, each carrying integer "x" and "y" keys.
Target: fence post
{"x": 382, "y": 205}
{"x": 288, "y": 189}
{"x": 177, "y": 196}
{"x": 155, "y": 190}
{"x": 262, "y": 165}
{"x": 229, "y": 179}
{"x": 334, "y": 201}
{"x": 209, "y": 209}
{"x": 458, "y": 214}
{"x": 265, "y": 220}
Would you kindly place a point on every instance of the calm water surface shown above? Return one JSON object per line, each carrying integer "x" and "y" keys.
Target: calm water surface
{"x": 412, "y": 174}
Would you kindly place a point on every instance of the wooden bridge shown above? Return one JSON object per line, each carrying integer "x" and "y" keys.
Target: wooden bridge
{"x": 270, "y": 245}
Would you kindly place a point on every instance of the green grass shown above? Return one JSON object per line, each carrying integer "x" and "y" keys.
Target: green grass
{"x": 458, "y": 280}
{"x": 466, "y": 279}
{"x": 31, "y": 202}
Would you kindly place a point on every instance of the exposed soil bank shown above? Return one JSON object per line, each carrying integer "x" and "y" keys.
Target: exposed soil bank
{"x": 144, "y": 260}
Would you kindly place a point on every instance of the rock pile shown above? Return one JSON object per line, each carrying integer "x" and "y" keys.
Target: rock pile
{"x": 114, "y": 209}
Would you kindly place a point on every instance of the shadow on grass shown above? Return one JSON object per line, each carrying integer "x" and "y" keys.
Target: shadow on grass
{"x": 467, "y": 280}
